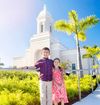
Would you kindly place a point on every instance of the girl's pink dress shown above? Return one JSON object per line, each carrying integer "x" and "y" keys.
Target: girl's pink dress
{"x": 58, "y": 88}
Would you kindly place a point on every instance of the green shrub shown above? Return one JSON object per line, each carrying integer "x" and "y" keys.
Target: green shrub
{"x": 22, "y": 88}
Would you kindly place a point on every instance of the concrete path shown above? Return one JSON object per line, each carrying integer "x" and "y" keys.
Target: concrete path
{"x": 92, "y": 99}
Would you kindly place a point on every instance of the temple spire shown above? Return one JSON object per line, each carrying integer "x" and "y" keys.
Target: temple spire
{"x": 44, "y": 8}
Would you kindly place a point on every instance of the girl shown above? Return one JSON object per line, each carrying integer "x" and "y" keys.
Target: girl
{"x": 58, "y": 88}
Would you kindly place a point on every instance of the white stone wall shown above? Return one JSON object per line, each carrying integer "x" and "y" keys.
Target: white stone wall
{"x": 71, "y": 55}
{"x": 37, "y": 45}
{"x": 56, "y": 48}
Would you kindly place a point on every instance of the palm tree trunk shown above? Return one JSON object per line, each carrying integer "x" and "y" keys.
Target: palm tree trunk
{"x": 79, "y": 66}
{"x": 93, "y": 65}
{"x": 93, "y": 61}
{"x": 79, "y": 62}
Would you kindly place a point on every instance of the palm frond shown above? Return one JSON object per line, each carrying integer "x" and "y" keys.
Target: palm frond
{"x": 81, "y": 36}
{"x": 98, "y": 56}
{"x": 95, "y": 50}
{"x": 95, "y": 46}
{"x": 63, "y": 26}
{"x": 88, "y": 22}
{"x": 95, "y": 66}
{"x": 73, "y": 16}
{"x": 87, "y": 56}
{"x": 85, "y": 47}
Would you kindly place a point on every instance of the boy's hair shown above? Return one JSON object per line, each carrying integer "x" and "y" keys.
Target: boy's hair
{"x": 46, "y": 48}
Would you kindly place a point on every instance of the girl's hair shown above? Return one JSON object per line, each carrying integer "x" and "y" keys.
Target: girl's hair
{"x": 59, "y": 61}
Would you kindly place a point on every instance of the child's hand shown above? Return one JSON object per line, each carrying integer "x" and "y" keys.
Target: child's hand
{"x": 40, "y": 75}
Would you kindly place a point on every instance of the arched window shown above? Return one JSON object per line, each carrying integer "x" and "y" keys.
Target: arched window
{"x": 41, "y": 27}
{"x": 73, "y": 66}
{"x": 50, "y": 29}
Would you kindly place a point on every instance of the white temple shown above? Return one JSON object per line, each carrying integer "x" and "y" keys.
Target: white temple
{"x": 44, "y": 38}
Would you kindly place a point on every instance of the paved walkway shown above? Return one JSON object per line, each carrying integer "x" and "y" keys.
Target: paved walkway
{"x": 92, "y": 99}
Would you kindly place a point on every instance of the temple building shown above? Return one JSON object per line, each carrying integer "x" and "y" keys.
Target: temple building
{"x": 44, "y": 38}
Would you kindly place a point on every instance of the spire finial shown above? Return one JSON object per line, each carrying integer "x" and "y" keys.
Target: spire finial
{"x": 44, "y": 8}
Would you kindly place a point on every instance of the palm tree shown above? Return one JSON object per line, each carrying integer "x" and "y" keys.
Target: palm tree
{"x": 78, "y": 28}
{"x": 92, "y": 52}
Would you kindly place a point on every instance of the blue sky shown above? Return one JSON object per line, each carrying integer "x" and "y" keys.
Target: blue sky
{"x": 18, "y": 23}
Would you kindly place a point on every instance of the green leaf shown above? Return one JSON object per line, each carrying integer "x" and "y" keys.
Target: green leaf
{"x": 63, "y": 26}
{"x": 88, "y": 22}
{"x": 81, "y": 36}
{"x": 98, "y": 56}
{"x": 73, "y": 17}
{"x": 95, "y": 66}
{"x": 93, "y": 51}
{"x": 87, "y": 56}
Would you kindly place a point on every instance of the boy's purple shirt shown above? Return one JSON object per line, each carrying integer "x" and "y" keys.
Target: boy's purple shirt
{"x": 45, "y": 66}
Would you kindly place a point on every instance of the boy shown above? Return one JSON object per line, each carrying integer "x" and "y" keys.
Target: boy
{"x": 45, "y": 68}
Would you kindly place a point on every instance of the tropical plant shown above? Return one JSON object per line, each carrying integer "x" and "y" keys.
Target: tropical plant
{"x": 65, "y": 65}
{"x": 93, "y": 53}
{"x": 22, "y": 88}
{"x": 1, "y": 64}
{"x": 95, "y": 66}
{"x": 77, "y": 27}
